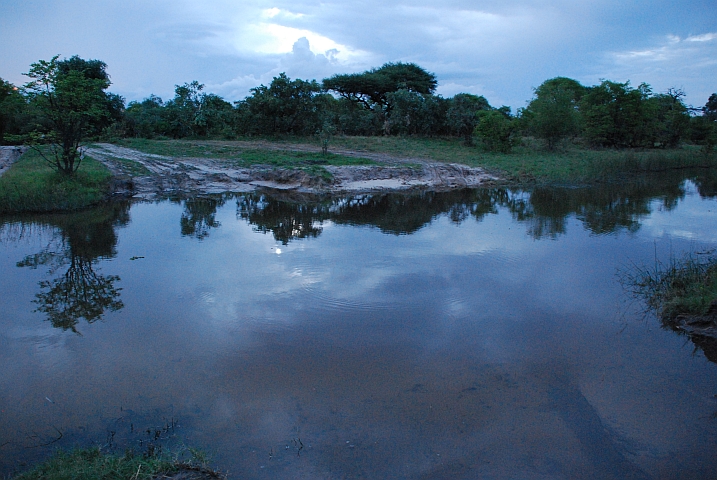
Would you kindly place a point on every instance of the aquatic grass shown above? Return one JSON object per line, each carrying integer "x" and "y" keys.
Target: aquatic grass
{"x": 94, "y": 464}
{"x": 29, "y": 185}
{"x": 682, "y": 286}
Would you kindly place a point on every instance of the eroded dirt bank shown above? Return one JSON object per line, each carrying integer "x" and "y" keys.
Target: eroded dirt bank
{"x": 147, "y": 175}
{"x": 8, "y": 155}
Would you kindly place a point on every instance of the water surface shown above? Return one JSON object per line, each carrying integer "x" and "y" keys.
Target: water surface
{"x": 470, "y": 334}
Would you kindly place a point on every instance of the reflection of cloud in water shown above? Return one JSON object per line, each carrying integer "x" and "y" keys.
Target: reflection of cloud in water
{"x": 692, "y": 214}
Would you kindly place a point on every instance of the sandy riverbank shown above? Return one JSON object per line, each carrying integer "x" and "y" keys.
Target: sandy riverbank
{"x": 164, "y": 175}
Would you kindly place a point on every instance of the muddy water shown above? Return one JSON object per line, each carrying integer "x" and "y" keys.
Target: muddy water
{"x": 472, "y": 334}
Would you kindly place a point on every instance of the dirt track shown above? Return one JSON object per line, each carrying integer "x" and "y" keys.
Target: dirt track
{"x": 147, "y": 175}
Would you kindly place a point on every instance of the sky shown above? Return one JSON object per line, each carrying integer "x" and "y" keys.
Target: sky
{"x": 501, "y": 49}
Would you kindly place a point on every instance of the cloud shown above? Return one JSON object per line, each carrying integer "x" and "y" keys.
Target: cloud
{"x": 670, "y": 62}
{"x": 501, "y": 49}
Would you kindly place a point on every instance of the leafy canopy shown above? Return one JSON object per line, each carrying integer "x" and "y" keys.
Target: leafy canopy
{"x": 371, "y": 88}
{"x": 70, "y": 96}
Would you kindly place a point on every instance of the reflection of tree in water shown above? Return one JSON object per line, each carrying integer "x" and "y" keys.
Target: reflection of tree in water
{"x": 602, "y": 209}
{"x": 286, "y": 220}
{"x": 397, "y": 214}
{"x": 199, "y": 216}
{"x": 80, "y": 293}
{"x": 706, "y": 182}
{"x": 81, "y": 240}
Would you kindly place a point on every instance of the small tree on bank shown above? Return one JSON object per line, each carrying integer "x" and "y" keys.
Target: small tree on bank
{"x": 70, "y": 96}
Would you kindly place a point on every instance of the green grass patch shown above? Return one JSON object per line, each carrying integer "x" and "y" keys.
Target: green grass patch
{"x": 131, "y": 167}
{"x": 93, "y": 464}
{"x": 243, "y": 154}
{"x": 185, "y": 148}
{"x": 30, "y": 185}
{"x": 291, "y": 158}
{"x": 685, "y": 286}
{"x": 525, "y": 164}
{"x": 572, "y": 164}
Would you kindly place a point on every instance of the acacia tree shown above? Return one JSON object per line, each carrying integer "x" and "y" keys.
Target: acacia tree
{"x": 70, "y": 96}
{"x": 371, "y": 89}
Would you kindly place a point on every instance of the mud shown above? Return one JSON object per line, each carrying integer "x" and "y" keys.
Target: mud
{"x": 164, "y": 175}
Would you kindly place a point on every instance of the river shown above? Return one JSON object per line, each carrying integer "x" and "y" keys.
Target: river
{"x": 469, "y": 334}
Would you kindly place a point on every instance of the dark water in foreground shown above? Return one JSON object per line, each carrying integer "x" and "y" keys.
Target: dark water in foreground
{"x": 473, "y": 334}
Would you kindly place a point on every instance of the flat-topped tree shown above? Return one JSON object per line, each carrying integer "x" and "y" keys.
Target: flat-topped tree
{"x": 371, "y": 88}
{"x": 70, "y": 96}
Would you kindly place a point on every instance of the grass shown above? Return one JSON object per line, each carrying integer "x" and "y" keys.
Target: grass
{"x": 242, "y": 155}
{"x": 685, "y": 286}
{"x": 93, "y": 464}
{"x": 30, "y": 185}
{"x": 528, "y": 163}
{"x": 131, "y": 167}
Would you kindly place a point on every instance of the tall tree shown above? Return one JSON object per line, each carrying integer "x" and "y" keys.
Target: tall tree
{"x": 495, "y": 129}
{"x": 70, "y": 94}
{"x": 285, "y": 106}
{"x": 462, "y": 114}
{"x": 616, "y": 115}
{"x": 372, "y": 88}
{"x": 668, "y": 118}
{"x": 704, "y": 127}
{"x": 553, "y": 113}
{"x": 11, "y": 103}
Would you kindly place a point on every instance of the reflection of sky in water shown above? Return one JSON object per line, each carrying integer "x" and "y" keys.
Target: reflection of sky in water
{"x": 696, "y": 220}
{"x": 462, "y": 350}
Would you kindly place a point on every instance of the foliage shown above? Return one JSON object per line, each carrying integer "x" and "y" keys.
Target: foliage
{"x": 11, "y": 103}
{"x": 394, "y": 99}
{"x": 685, "y": 286}
{"x": 285, "y": 106}
{"x": 703, "y": 128}
{"x": 669, "y": 119}
{"x": 28, "y": 186}
{"x": 553, "y": 113}
{"x": 194, "y": 113}
{"x": 93, "y": 464}
{"x": 416, "y": 113}
{"x": 462, "y": 115}
{"x": 495, "y": 129}
{"x": 70, "y": 94}
{"x": 147, "y": 119}
{"x": 617, "y": 115}
{"x": 371, "y": 88}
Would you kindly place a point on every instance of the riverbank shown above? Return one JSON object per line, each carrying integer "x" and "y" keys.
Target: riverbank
{"x": 183, "y": 168}
{"x": 683, "y": 295}
{"x": 30, "y": 185}
{"x": 528, "y": 163}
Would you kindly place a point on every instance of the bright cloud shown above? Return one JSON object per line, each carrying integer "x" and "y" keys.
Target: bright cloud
{"x": 499, "y": 49}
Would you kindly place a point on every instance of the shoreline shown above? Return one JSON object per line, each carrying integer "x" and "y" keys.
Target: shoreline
{"x": 147, "y": 176}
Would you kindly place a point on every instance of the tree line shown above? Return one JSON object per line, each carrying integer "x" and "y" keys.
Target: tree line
{"x": 67, "y": 101}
